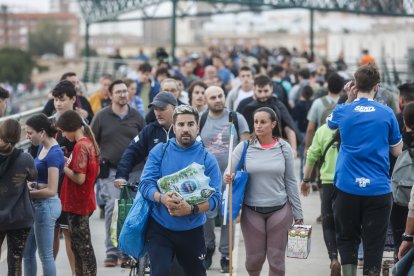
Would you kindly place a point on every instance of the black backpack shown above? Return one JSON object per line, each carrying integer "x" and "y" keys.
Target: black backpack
{"x": 203, "y": 120}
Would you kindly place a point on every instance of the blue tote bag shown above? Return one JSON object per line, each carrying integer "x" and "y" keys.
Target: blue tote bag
{"x": 132, "y": 237}
{"x": 239, "y": 185}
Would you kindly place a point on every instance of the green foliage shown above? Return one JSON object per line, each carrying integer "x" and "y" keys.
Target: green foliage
{"x": 48, "y": 37}
{"x": 16, "y": 66}
{"x": 92, "y": 52}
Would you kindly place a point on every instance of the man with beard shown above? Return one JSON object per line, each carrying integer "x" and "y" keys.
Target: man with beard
{"x": 114, "y": 127}
{"x": 263, "y": 98}
{"x": 215, "y": 133}
{"x": 175, "y": 228}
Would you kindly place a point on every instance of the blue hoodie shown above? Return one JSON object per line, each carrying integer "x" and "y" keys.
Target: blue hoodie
{"x": 177, "y": 158}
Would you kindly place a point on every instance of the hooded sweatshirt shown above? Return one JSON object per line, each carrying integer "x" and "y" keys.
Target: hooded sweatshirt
{"x": 16, "y": 209}
{"x": 176, "y": 158}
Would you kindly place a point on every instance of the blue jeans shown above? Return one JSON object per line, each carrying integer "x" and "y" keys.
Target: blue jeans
{"x": 41, "y": 236}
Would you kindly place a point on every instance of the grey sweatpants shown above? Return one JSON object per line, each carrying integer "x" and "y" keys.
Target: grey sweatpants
{"x": 265, "y": 235}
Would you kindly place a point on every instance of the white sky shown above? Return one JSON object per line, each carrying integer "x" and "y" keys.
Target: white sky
{"x": 27, "y": 5}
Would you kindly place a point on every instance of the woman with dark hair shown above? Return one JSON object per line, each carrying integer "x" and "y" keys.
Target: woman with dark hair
{"x": 77, "y": 194}
{"x": 196, "y": 95}
{"x": 49, "y": 163}
{"x": 271, "y": 201}
{"x": 16, "y": 212}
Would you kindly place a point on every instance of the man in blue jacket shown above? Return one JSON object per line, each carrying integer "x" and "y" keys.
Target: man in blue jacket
{"x": 156, "y": 132}
{"x": 175, "y": 228}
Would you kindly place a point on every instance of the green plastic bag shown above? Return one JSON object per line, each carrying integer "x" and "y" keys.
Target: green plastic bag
{"x": 124, "y": 204}
{"x": 114, "y": 225}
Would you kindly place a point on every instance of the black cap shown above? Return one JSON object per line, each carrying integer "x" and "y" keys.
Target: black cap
{"x": 162, "y": 99}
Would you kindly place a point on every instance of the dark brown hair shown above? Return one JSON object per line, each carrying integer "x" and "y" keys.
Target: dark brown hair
{"x": 408, "y": 115}
{"x": 41, "y": 122}
{"x": 191, "y": 89}
{"x": 273, "y": 117}
{"x": 10, "y": 131}
{"x": 366, "y": 77}
{"x": 71, "y": 121}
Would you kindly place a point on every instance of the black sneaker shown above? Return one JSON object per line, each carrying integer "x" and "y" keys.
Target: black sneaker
{"x": 225, "y": 264}
{"x": 208, "y": 260}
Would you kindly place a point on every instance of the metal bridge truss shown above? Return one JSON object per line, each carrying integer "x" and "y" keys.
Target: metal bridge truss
{"x": 95, "y": 11}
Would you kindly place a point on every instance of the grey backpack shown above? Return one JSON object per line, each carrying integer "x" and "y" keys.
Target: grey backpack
{"x": 403, "y": 177}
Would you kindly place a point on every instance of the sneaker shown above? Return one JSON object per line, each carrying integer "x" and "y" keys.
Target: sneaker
{"x": 360, "y": 263}
{"x": 225, "y": 264}
{"x": 335, "y": 268}
{"x": 319, "y": 219}
{"x": 111, "y": 261}
{"x": 208, "y": 260}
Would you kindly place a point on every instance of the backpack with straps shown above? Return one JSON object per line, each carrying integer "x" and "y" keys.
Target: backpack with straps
{"x": 203, "y": 120}
{"x": 329, "y": 107}
{"x": 403, "y": 177}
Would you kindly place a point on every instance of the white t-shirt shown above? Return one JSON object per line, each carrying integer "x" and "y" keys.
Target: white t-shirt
{"x": 241, "y": 96}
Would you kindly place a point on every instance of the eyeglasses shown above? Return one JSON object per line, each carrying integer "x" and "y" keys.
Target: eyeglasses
{"x": 119, "y": 92}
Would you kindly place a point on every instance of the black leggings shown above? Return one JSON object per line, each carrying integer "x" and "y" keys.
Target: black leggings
{"x": 328, "y": 223}
{"x": 363, "y": 217}
{"x": 80, "y": 237}
{"x": 16, "y": 239}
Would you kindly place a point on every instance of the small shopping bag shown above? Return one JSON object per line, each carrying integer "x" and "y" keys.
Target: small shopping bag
{"x": 124, "y": 205}
{"x": 114, "y": 225}
{"x": 299, "y": 241}
{"x": 132, "y": 237}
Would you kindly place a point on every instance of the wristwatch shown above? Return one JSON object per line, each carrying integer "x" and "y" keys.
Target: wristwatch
{"x": 195, "y": 209}
{"x": 407, "y": 238}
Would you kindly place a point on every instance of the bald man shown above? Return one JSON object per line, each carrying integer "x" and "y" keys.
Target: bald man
{"x": 215, "y": 133}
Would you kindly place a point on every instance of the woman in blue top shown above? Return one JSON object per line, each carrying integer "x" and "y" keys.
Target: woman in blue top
{"x": 362, "y": 201}
{"x": 49, "y": 163}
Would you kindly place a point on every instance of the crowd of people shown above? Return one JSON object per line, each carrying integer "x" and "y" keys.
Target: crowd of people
{"x": 161, "y": 119}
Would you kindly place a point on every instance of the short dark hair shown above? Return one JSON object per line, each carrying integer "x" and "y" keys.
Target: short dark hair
{"x": 307, "y": 92}
{"x": 276, "y": 70}
{"x": 406, "y": 91}
{"x": 408, "y": 115}
{"x": 67, "y": 75}
{"x": 4, "y": 94}
{"x": 366, "y": 77}
{"x": 162, "y": 71}
{"x": 246, "y": 68}
{"x": 192, "y": 86}
{"x": 304, "y": 73}
{"x": 64, "y": 87}
{"x": 115, "y": 82}
{"x": 335, "y": 83}
{"x": 262, "y": 81}
{"x": 145, "y": 67}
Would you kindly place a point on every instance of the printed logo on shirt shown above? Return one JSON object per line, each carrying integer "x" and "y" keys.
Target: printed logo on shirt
{"x": 202, "y": 257}
{"x": 136, "y": 139}
{"x": 364, "y": 108}
{"x": 156, "y": 141}
{"x": 362, "y": 181}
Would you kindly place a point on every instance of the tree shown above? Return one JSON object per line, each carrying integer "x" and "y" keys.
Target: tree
{"x": 16, "y": 66}
{"x": 48, "y": 37}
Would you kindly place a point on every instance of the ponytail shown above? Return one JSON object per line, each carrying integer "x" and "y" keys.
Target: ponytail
{"x": 10, "y": 132}
{"x": 89, "y": 133}
{"x": 72, "y": 121}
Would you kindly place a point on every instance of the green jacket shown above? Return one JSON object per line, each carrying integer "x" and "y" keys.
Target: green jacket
{"x": 320, "y": 141}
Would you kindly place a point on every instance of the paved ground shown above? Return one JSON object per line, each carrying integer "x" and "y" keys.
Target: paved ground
{"x": 317, "y": 264}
